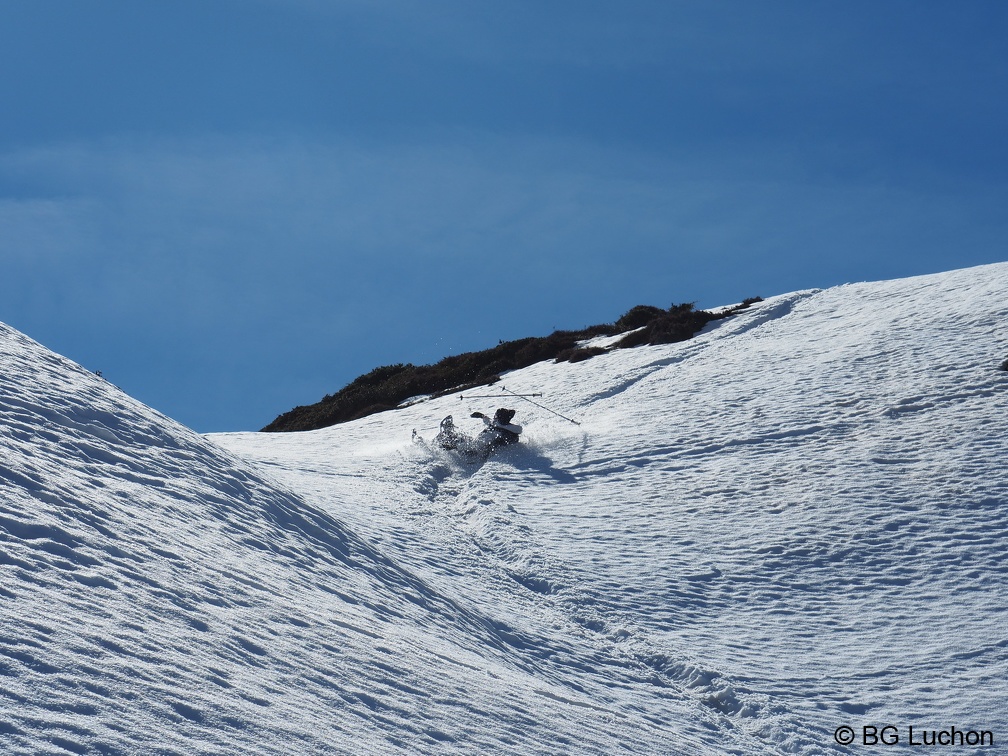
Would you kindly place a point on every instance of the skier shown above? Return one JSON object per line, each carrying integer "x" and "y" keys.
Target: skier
{"x": 500, "y": 431}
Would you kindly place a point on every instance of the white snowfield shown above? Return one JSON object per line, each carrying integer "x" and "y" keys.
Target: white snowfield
{"x": 796, "y": 521}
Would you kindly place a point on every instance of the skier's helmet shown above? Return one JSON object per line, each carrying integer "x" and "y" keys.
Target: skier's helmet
{"x": 504, "y": 416}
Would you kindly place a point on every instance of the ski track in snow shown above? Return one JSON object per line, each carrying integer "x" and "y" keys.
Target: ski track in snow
{"x": 794, "y": 521}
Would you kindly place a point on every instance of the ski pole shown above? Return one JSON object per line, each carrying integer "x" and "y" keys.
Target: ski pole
{"x": 525, "y": 397}
{"x": 493, "y": 396}
{"x": 520, "y": 396}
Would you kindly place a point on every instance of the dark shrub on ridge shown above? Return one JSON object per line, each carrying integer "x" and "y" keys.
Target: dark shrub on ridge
{"x": 638, "y": 317}
{"x": 388, "y": 387}
{"x": 579, "y": 354}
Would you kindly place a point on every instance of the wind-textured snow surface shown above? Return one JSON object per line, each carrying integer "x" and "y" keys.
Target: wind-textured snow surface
{"x": 795, "y": 521}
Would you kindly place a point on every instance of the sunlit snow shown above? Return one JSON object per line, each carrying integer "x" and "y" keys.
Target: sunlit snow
{"x": 794, "y": 522}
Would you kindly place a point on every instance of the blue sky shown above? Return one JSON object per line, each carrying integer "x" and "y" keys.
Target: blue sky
{"x": 233, "y": 207}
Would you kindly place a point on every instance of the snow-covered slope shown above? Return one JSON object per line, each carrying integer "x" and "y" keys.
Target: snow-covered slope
{"x": 793, "y": 522}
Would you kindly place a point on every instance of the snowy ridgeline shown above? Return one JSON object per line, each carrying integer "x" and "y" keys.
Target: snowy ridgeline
{"x": 795, "y": 522}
